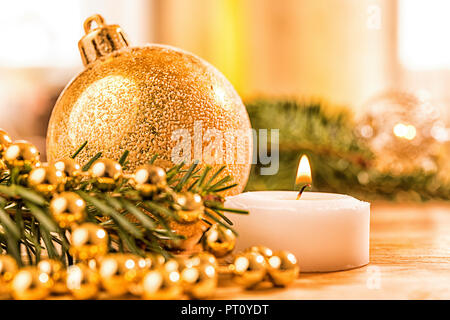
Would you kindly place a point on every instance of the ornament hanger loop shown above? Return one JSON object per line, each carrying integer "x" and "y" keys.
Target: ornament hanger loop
{"x": 98, "y": 19}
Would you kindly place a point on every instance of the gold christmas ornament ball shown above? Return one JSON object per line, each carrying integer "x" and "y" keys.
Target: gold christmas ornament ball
{"x": 107, "y": 173}
{"x": 46, "y": 179}
{"x": 149, "y": 100}
{"x": 149, "y": 179}
{"x": 401, "y": 129}
{"x": 219, "y": 241}
{"x": 8, "y": 269}
{"x": 88, "y": 241}
{"x": 189, "y": 207}
{"x": 82, "y": 282}
{"x": 160, "y": 284}
{"x": 69, "y": 166}
{"x": 250, "y": 268}
{"x": 21, "y": 154}
{"x": 31, "y": 284}
{"x": 283, "y": 268}
{"x": 56, "y": 272}
{"x": 5, "y": 140}
{"x": 67, "y": 208}
{"x": 199, "y": 282}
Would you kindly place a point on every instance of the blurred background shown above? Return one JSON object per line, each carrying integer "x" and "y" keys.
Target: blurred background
{"x": 343, "y": 52}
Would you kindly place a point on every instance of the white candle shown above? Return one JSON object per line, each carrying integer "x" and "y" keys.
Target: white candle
{"x": 325, "y": 231}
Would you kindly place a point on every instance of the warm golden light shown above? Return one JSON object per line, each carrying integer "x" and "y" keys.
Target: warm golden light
{"x": 303, "y": 171}
{"x": 405, "y": 131}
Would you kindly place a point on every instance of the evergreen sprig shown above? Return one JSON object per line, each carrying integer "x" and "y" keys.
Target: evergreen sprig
{"x": 28, "y": 231}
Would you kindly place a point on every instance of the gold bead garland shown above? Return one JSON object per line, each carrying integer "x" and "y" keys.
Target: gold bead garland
{"x": 117, "y": 274}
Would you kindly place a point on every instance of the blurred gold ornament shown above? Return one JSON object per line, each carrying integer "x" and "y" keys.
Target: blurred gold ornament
{"x": 219, "y": 241}
{"x": 46, "y": 179}
{"x": 8, "y": 269}
{"x": 137, "y": 98}
{"x": 69, "y": 166}
{"x": 106, "y": 172}
{"x": 192, "y": 233}
{"x": 283, "y": 268}
{"x": 67, "y": 208}
{"x": 5, "y": 141}
{"x": 160, "y": 284}
{"x": 201, "y": 258}
{"x": 149, "y": 179}
{"x": 250, "y": 268}
{"x": 21, "y": 154}
{"x": 82, "y": 282}
{"x": 119, "y": 271}
{"x": 88, "y": 241}
{"x": 400, "y": 128}
{"x": 199, "y": 281}
{"x": 31, "y": 284}
{"x": 189, "y": 207}
{"x": 57, "y": 273}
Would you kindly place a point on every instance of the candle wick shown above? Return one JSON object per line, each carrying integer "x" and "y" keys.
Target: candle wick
{"x": 302, "y": 189}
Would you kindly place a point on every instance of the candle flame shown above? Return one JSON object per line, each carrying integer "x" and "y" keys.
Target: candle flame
{"x": 303, "y": 171}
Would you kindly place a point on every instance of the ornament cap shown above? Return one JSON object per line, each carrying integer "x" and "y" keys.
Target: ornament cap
{"x": 100, "y": 40}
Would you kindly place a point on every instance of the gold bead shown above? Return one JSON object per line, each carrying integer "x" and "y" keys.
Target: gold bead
{"x": 67, "y": 208}
{"x": 88, "y": 241}
{"x": 219, "y": 241}
{"x": 106, "y": 172}
{"x": 21, "y": 154}
{"x": 82, "y": 282}
{"x": 118, "y": 271}
{"x": 160, "y": 284}
{"x": 56, "y": 272}
{"x": 46, "y": 179}
{"x": 189, "y": 207}
{"x": 264, "y": 251}
{"x": 200, "y": 281}
{"x": 8, "y": 269}
{"x": 250, "y": 268}
{"x": 283, "y": 268}
{"x": 69, "y": 166}
{"x": 201, "y": 258}
{"x": 149, "y": 179}
{"x": 5, "y": 141}
{"x": 31, "y": 284}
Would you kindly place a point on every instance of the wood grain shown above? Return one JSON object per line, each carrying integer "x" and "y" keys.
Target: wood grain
{"x": 409, "y": 259}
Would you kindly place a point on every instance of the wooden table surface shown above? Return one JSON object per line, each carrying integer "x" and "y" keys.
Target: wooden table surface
{"x": 409, "y": 259}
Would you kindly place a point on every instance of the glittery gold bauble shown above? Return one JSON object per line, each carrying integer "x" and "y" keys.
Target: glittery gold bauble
{"x": 192, "y": 232}
{"x": 56, "y": 272}
{"x": 46, "y": 179}
{"x": 88, "y": 241}
{"x": 402, "y": 129}
{"x": 283, "y": 268}
{"x": 149, "y": 179}
{"x": 21, "y": 154}
{"x": 31, "y": 284}
{"x": 219, "y": 241}
{"x": 145, "y": 100}
{"x": 82, "y": 282}
{"x": 160, "y": 284}
{"x": 250, "y": 268}
{"x": 200, "y": 281}
{"x": 67, "y": 208}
